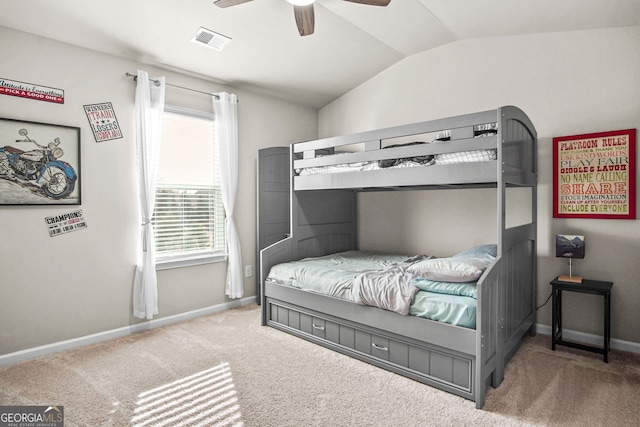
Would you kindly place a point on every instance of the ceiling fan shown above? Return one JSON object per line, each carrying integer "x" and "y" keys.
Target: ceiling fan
{"x": 303, "y": 11}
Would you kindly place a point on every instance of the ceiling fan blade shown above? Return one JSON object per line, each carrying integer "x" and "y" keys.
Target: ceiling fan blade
{"x": 371, "y": 2}
{"x": 305, "y": 19}
{"x": 229, "y": 3}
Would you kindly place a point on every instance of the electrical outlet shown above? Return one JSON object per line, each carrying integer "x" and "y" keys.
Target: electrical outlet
{"x": 248, "y": 271}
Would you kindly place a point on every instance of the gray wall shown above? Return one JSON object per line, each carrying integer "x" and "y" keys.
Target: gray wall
{"x": 80, "y": 283}
{"x": 568, "y": 83}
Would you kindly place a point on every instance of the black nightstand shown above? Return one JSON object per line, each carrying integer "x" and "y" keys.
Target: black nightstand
{"x": 587, "y": 286}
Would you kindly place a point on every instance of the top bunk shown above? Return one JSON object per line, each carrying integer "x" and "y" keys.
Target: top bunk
{"x": 486, "y": 149}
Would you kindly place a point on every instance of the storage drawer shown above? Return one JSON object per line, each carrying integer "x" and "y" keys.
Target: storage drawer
{"x": 388, "y": 352}
{"x": 433, "y": 364}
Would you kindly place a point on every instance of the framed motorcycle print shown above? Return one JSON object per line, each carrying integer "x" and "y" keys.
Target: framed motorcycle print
{"x": 39, "y": 163}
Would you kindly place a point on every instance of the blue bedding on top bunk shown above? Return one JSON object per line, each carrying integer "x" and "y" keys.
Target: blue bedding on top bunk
{"x": 394, "y": 282}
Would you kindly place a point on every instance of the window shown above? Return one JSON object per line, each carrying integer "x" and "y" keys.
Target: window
{"x": 189, "y": 216}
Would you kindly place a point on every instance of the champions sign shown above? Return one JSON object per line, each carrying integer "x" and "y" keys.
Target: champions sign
{"x": 594, "y": 175}
{"x": 65, "y": 223}
{"x": 31, "y": 91}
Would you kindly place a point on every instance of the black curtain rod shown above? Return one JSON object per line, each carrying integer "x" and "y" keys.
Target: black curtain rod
{"x": 157, "y": 83}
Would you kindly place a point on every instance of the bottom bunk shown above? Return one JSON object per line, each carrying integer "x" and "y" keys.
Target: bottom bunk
{"x": 442, "y": 289}
{"x": 317, "y": 304}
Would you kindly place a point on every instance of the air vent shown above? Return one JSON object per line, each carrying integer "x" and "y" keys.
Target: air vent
{"x": 210, "y": 39}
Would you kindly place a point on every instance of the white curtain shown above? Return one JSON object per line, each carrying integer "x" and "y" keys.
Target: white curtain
{"x": 149, "y": 110}
{"x": 225, "y": 111}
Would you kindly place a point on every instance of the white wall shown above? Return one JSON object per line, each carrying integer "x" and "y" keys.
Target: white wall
{"x": 53, "y": 289}
{"x": 80, "y": 283}
{"x": 568, "y": 83}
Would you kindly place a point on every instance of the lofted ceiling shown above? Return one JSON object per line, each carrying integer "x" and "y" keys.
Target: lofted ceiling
{"x": 351, "y": 43}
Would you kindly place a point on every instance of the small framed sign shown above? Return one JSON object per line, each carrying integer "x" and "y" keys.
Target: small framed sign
{"x": 65, "y": 223}
{"x": 31, "y": 91}
{"x": 103, "y": 121}
{"x": 594, "y": 175}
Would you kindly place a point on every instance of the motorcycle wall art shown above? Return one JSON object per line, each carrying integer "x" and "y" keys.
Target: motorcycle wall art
{"x": 39, "y": 163}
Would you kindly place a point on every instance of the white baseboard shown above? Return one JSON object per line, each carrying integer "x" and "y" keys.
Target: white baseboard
{"x": 19, "y": 356}
{"x": 591, "y": 339}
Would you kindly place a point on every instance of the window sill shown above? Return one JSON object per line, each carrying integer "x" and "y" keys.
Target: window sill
{"x": 169, "y": 263}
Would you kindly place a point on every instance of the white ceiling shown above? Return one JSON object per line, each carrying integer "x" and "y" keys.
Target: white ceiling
{"x": 351, "y": 43}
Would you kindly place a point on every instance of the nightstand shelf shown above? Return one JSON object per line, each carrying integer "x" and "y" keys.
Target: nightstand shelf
{"x": 587, "y": 286}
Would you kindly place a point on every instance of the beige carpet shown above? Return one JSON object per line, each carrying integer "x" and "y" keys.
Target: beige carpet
{"x": 226, "y": 369}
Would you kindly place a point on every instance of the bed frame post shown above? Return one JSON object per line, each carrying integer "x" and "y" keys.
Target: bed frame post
{"x": 507, "y": 291}
{"x": 498, "y": 374}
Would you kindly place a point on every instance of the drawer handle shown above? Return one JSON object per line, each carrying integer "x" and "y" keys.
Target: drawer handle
{"x": 374, "y": 345}
{"x": 318, "y": 327}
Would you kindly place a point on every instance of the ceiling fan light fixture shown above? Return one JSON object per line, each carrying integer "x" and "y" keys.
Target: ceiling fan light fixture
{"x": 303, "y": 11}
{"x": 301, "y": 2}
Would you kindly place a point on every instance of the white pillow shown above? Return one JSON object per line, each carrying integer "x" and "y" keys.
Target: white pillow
{"x": 450, "y": 269}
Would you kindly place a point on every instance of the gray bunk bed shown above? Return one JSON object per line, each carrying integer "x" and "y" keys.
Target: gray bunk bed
{"x": 459, "y": 360}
